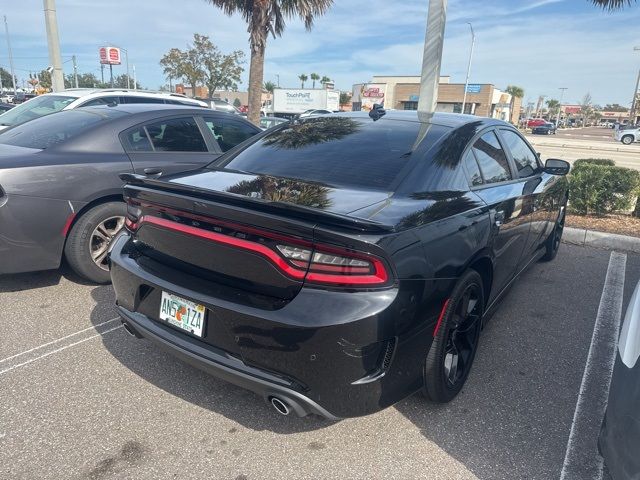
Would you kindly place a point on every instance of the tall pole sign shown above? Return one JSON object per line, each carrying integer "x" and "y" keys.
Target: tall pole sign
{"x": 432, "y": 56}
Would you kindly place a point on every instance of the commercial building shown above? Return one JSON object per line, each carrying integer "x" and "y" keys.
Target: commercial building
{"x": 403, "y": 93}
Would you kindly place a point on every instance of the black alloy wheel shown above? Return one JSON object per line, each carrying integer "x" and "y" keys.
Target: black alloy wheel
{"x": 553, "y": 242}
{"x": 455, "y": 344}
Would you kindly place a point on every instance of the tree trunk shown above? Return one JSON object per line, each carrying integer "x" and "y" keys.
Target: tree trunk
{"x": 256, "y": 74}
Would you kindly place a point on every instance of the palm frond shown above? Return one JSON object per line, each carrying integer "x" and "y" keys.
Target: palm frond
{"x": 613, "y": 4}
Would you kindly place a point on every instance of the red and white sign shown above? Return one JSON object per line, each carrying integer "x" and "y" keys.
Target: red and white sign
{"x": 110, "y": 56}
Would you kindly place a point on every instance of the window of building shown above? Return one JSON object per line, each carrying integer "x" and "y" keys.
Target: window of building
{"x": 410, "y": 105}
{"x": 491, "y": 158}
{"x": 468, "y": 107}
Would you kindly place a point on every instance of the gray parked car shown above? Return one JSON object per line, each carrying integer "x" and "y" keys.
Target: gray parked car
{"x": 619, "y": 440}
{"x": 60, "y": 194}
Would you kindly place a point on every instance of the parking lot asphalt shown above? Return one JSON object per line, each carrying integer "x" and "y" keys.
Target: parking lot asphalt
{"x": 83, "y": 399}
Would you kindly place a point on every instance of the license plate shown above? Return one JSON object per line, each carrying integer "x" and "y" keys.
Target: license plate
{"x": 182, "y": 313}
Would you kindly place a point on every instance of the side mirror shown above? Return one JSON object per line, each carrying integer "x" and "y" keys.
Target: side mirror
{"x": 557, "y": 167}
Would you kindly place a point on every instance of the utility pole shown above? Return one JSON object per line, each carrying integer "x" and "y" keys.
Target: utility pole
{"x": 432, "y": 57}
{"x": 466, "y": 83}
{"x": 75, "y": 71}
{"x": 53, "y": 41}
{"x": 562, "y": 90}
{"x": 13, "y": 74}
{"x": 102, "y": 72}
{"x": 135, "y": 79}
{"x": 111, "y": 74}
{"x": 278, "y": 78}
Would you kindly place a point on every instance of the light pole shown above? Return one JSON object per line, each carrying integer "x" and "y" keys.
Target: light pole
{"x": 53, "y": 41}
{"x": 13, "y": 74}
{"x": 466, "y": 83}
{"x": 634, "y": 102}
{"x": 562, "y": 89}
{"x": 278, "y": 78}
{"x": 432, "y": 57}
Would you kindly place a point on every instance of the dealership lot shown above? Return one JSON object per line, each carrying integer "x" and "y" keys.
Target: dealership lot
{"x": 83, "y": 399}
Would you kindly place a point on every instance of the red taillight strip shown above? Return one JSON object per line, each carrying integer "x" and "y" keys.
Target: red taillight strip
{"x": 441, "y": 316}
{"x": 226, "y": 240}
{"x": 379, "y": 276}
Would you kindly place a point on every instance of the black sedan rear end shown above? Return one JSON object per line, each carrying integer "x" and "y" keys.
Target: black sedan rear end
{"x": 335, "y": 265}
{"x": 544, "y": 129}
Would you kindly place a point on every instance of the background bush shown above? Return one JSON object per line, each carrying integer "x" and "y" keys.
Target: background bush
{"x": 595, "y": 161}
{"x": 600, "y": 188}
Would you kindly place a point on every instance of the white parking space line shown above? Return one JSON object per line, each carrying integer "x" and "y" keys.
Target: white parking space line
{"x": 582, "y": 461}
{"x": 58, "y": 340}
{"x": 44, "y": 355}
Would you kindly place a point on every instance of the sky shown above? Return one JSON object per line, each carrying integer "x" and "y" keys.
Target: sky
{"x": 540, "y": 45}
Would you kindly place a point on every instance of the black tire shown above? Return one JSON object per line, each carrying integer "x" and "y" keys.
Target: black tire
{"x": 628, "y": 139}
{"x": 456, "y": 341}
{"x": 552, "y": 244}
{"x": 85, "y": 240}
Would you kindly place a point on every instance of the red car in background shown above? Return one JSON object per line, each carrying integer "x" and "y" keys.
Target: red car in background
{"x": 535, "y": 122}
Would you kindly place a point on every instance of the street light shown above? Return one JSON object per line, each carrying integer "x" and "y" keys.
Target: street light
{"x": 634, "y": 101}
{"x": 562, "y": 89}
{"x": 466, "y": 83}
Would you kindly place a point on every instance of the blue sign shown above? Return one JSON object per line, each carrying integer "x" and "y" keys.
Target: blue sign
{"x": 413, "y": 98}
{"x": 474, "y": 88}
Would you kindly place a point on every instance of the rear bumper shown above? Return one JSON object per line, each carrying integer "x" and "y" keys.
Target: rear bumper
{"x": 221, "y": 366}
{"x": 334, "y": 354}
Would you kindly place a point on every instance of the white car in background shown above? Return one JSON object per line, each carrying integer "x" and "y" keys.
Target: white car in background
{"x": 625, "y": 136}
{"x": 87, "y": 97}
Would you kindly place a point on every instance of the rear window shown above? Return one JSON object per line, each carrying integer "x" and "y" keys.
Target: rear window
{"x": 51, "y": 130}
{"x": 337, "y": 151}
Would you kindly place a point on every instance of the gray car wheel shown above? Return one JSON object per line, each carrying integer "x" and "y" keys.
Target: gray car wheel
{"x": 627, "y": 139}
{"x": 90, "y": 238}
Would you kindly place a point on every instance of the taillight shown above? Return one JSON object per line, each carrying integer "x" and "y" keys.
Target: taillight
{"x": 318, "y": 264}
{"x": 332, "y": 266}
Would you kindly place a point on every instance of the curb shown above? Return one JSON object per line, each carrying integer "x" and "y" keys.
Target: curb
{"x": 590, "y": 238}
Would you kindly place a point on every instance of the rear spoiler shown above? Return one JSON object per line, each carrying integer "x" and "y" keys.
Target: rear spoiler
{"x": 141, "y": 183}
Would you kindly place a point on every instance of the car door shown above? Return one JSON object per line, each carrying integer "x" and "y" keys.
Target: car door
{"x": 498, "y": 186}
{"x": 542, "y": 200}
{"x": 229, "y": 131}
{"x": 169, "y": 145}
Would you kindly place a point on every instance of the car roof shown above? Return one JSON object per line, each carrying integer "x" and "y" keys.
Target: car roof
{"x": 453, "y": 120}
{"x": 83, "y": 92}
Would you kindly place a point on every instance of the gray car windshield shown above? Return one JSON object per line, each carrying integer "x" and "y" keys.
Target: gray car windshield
{"x": 35, "y": 108}
{"x": 48, "y": 131}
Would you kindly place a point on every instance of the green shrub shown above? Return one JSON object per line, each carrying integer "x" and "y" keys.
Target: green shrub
{"x": 636, "y": 212}
{"x": 595, "y": 161}
{"x": 602, "y": 189}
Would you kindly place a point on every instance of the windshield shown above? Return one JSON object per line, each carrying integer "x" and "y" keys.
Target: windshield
{"x": 35, "y": 108}
{"x": 55, "y": 129}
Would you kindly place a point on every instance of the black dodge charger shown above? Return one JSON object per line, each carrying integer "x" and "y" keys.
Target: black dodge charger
{"x": 337, "y": 264}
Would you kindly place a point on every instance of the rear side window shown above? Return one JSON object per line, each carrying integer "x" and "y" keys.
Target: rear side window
{"x": 176, "y": 135}
{"x": 138, "y": 141}
{"x": 229, "y": 133}
{"x": 491, "y": 158}
{"x": 524, "y": 158}
{"x": 337, "y": 150}
{"x": 472, "y": 169}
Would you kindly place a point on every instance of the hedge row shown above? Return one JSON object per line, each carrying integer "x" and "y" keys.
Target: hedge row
{"x": 599, "y": 187}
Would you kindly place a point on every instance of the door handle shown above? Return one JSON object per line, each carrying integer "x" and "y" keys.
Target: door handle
{"x": 499, "y": 220}
{"x": 153, "y": 171}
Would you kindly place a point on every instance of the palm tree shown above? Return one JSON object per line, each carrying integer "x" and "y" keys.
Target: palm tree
{"x": 612, "y": 4}
{"x": 324, "y": 79}
{"x": 553, "y": 105}
{"x": 515, "y": 92}
{"x": 264, "y": 17}
{"x": 303, "y": 78}
{"x": 314, "y": 77}
{"x": 269, "y": 87}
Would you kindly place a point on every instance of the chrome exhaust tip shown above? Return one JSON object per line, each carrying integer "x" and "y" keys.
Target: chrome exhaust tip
{"x": 130, "y": 330}
{"x": 281, "y": 407}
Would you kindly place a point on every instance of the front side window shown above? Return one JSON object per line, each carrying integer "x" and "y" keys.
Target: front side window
{"x": 101, "y": 101}
{"x": 176, "y": 135}
{"x": 229, "y": 133}
{"x": 35, "y": 108}
{"x": 525, "y": 159}
{"x": 491, "y": 158}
